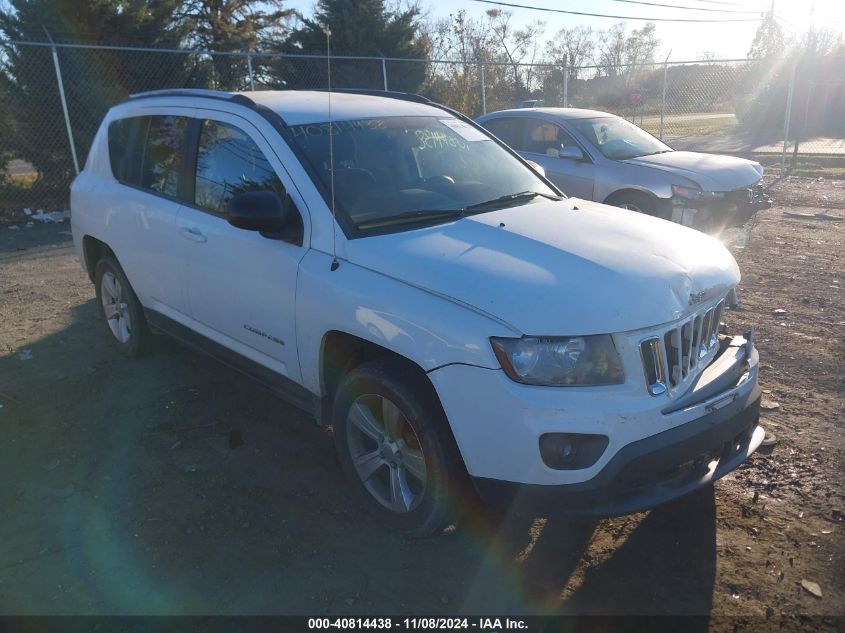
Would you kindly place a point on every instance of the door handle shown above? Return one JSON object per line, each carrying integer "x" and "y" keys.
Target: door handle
{"x": 195, "y": 235}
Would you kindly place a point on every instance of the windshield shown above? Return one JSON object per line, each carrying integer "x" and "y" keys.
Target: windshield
{"x": 406, "y": 170}
{"x": 618, "y": 139}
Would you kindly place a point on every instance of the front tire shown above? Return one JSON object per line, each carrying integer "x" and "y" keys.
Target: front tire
{"x": 393, "y": 443}
{"x": 120, "y": 309}
{"x": 640, "y": 203}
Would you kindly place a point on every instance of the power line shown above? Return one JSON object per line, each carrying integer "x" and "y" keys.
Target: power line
{"x": 685, "y": 8}
{"x": 730, "y": 4}
{"x": 616, "y": 17}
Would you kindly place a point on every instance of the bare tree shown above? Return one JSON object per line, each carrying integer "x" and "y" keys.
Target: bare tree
{"x": 574, "y": 47}
{"x": 465, "y": 42}
{"x": 640, "y": 46}
{"x": 516, "y": 45}
{"x": 611, "y": 46}
{"x": 818, "y": 42}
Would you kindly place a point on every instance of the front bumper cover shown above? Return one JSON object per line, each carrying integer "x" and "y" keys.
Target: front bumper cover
{"x": 731, "y": 209}
{"x": 650, "y": 471}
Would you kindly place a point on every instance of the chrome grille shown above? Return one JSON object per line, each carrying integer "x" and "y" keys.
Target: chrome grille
{"x": 673, "y": 357}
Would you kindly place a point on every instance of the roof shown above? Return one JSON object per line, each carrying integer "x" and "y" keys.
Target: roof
{"x": 298, "y": 107}
{"x": 561, "y": 113}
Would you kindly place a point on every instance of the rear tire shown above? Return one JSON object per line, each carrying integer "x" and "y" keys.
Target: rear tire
{"x": 120, "y": 310}
{"x": 393, "y": 442}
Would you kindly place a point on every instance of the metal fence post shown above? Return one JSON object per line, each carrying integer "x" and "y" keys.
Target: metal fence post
{"x": 565, "y": 71}
{"x": 483, "y": 90}
{"x": 249, "y": 68}
{"x": 663, "y": 100}
{"x": 788, "y": 116}
{"x": 384, "y": 72}
{"x": 64, "y": 102}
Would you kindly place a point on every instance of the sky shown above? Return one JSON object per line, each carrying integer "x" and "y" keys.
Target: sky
{"x": 686, "y": 41}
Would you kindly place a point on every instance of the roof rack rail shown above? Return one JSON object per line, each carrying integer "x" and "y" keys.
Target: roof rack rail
{"x": 404, "y": 96}
{"x": 234, "y": 97}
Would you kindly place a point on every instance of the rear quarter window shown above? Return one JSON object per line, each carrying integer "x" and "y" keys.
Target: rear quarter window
{"x": 121, "y": 153}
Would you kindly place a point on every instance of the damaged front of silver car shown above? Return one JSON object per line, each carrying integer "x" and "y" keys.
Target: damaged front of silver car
{"x": 713, "y": 192}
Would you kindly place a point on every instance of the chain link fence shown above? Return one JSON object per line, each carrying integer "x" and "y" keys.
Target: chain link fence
{"x": 53, "y": 98}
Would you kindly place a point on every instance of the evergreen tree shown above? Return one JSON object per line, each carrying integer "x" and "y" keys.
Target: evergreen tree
{"x": 358, "y": 27}
{"x": 94, "y": 79}
{"x": 769, "y": 40}
{"x": 231, "y": 26}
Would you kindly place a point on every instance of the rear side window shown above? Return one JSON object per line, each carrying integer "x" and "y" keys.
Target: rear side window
{"x": 229, "y": 163}
{"x": 147, "y": 152}
{"x": 162, "y": 154}
{"x": 508, "y": 129}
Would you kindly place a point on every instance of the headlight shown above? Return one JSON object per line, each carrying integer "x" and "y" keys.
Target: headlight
{"x": 690, "y": 193}
{"x": 574, "y": 360}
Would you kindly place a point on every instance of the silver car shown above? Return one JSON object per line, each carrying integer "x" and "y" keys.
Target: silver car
{"x": 599, "y": 156}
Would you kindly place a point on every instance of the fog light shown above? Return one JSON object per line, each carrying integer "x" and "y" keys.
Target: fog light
{"x": 571, "y": 451}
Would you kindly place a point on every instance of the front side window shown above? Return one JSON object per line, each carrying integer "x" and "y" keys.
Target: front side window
{"x": 618, "y": 139}
{"x": 546, "y": 138}
{"x": 161, "y": 159}
{"x": 406, "y": 170}
{"x": 229, "y": 163}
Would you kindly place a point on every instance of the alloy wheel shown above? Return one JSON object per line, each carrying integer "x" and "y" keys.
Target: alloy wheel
{"x": 386, "y": 453}
{"x": 115, "y": 307}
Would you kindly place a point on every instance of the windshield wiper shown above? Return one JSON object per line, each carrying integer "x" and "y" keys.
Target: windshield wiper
{"x": 426, "y": 215}
{"x": 509, "y": 198}
{"x": 421, "y": 215}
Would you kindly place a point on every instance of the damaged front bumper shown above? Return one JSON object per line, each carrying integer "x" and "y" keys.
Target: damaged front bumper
{"x": 719, "y": 437}
{"x": 715, "y": 211}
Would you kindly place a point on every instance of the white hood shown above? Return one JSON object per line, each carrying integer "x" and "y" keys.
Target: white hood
{"x": 712, "y": 172}
{"x": 559, "y": 268}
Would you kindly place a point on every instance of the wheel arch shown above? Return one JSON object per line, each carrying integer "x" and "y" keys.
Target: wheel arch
{"x": 94, "y": 250}
{"x": 341, "y": 352}
{"x": 661, "y": 205}
{"x": 618, "y": 194}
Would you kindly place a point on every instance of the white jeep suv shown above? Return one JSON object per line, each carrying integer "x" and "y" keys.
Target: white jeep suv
{"x": 385, "y": 264}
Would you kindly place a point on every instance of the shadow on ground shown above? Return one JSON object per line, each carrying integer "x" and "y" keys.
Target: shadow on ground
{"x": 121, "y": 494}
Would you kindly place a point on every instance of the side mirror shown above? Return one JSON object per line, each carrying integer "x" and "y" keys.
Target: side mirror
{"x": 259, "y": 211}
{"x": 571, "y": 153}
{"x": 538, "y": 168}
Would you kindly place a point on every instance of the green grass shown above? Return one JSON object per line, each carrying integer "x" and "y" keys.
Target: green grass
{"x": 810, "y": 171}
{"x": 688, "y": 127}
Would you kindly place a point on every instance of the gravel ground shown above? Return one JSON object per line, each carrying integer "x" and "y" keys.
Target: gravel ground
{"x": 120, "y": 494}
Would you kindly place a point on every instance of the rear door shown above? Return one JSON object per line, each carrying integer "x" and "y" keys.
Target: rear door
{"x": 241, "y": 286}
{"x": 542, "y": 142}
{"x": 146, "y": 155}
{"x": 508, "y": 129}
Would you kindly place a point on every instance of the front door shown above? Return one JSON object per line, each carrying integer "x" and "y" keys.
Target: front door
{"x": 241, "y": 286}
{"x": 542, "y": 143}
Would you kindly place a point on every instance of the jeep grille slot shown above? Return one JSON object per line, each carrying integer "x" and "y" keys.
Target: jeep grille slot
{"x": 655, "y": 370}
{"x": 674, "y": 356}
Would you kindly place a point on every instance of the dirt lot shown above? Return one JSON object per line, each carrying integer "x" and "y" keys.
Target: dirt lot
{"x": 119, "y": 492}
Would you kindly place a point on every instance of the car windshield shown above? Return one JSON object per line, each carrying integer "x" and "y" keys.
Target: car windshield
{"x": 410, "y": 170}
{"x": 618, "y": 139}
